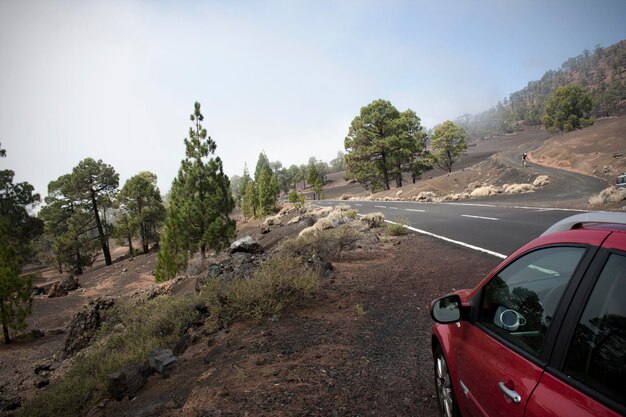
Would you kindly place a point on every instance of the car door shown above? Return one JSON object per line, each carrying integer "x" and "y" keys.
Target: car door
{"x": 500, "y": 355}
{"x": 587, "y": 373}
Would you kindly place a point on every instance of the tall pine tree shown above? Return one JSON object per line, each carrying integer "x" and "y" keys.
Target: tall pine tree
{"x": 200, "y": 204}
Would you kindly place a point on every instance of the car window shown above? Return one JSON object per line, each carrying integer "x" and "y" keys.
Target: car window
{"x": 520, "y": 301}
{"x": 597, "y": 354}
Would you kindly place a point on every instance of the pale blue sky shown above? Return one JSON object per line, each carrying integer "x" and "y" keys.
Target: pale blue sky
{"x": 116, "y": 80}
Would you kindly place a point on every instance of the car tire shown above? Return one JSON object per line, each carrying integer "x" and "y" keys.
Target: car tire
{"x": 448, "y": 406}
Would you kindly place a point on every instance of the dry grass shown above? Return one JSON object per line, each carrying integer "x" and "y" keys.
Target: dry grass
{"x": 609, "y": 195}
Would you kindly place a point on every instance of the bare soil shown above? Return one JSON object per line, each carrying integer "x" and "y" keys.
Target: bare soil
{"x": 361, "y": 348}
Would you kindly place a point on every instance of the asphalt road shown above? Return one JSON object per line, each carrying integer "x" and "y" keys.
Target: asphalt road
{"x": 497, "y": 230}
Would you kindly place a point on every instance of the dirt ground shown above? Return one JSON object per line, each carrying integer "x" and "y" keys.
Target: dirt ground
{"x": 362, "y": 348}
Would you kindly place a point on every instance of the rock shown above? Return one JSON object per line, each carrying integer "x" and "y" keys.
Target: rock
{"x": 213, "y": 271}
{"x": 36, "y": 333}
{"x": 320, "y": 265}
{"x": 85, "y": 324}
{"x": 68, "y": 283}
{"x": 56, "y": 291}
{"x": 40, "y": 383}
{"x": 161, "y": 360}
{"x": 618, "y": 155}
{"x": 38, "y": 290}
{"x": 127, "y": 381}
{"x": 246, "y": 244}
{"x": 10, "y": 403}
{"x": 265, "y": 229}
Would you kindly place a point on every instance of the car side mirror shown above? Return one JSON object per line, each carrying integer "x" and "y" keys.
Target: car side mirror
{"x": 446, "y": 309}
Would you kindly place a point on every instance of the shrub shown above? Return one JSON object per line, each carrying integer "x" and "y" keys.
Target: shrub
{"x": 398, "y": 228}
{"x": 373, "y": 220}
{"x": 296, "y": 198}
{"x": 609, "y": 195}
{"x": 325, "y": 243}
{"x": 280, "y": 283}
{"x": 155, "y": 324}
{"x": 519, "y": 189}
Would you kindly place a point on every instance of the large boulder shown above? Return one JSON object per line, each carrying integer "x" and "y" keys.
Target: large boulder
{"x": 161, "y": 361}
{"x": 247, "y": 245}
{"x": 69, "y": 283}
{"x": 56, "y": 291}
{"x": 85, "y": 324}
{"x": 127, "y": 381}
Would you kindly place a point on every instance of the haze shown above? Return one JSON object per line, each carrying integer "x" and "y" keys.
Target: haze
{"x": 116, "y": 80}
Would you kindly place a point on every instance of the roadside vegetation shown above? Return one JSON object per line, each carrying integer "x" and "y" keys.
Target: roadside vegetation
{"x": 132, "y": 330}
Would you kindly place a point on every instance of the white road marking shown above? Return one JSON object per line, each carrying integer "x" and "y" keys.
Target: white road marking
{"x": 360, "y": 205}
{"x": 479, "y": 217}
{"x": 380, "y": 206}
{"x": 516, "y": 207}
{"x": 421, "y": 211}
{"x": 393, "y": 208}
{"x": 456, "y": 242}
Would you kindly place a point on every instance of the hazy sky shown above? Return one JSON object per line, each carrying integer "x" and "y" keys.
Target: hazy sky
{"x": 116, "y": 80}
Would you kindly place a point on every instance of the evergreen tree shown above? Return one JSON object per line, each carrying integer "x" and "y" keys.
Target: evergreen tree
{"x": 567, "y": 109}
{"x": 448, "y": 143}
{"x": 200, "y": 204}
{"x": 141, "y": 200}
{"x": 381, "y": 143}
{"x": 267, "y": 188}
{"x": 69, "y": 224}
{"x": 250, "y": 202}
{"x": 91, "y": 180}
{"x": 17, "y": 230}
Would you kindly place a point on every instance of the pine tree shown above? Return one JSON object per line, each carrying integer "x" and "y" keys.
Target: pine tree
{"x": 17, "y": 230}
{"x": 92, "y": 179}
{"x": 69, "y": 224}
{"x": 200, "y": 204}
{"x": 250, "y": 201}
{"x": 141, "y": 200}
{"x": 448, "y": 143}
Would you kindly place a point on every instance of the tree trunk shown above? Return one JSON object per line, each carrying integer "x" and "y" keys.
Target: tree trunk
{"x": 130, "y": 246}
{"x": 78, "y": 269}
{"x": 399, "y": 180}
{"x": 5, "y": 325}
{"x": 203, "y": 250}
{"x": 385, "y": 173}
{"x": 144, "y": 243}
{"x": 103, "y": 240}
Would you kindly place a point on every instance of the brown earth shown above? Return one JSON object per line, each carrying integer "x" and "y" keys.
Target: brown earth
{"x": 599, "y": 150}
{"x": 361, "y": 348}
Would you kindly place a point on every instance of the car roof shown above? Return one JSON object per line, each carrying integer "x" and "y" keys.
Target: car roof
{"x": 600, "y": 220}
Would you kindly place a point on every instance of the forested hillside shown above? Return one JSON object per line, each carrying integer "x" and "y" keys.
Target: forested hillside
{"x": 601, "y": 72}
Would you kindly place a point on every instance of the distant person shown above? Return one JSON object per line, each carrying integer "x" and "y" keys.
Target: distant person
{"x": 524, "y": 156}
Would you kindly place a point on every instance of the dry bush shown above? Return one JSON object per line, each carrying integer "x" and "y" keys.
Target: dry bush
{"x": 485, "y": 191}
{"x": 519, "y": 189}
{"x": 456, "y": 197}
{"x": 280, "y": 283}
{"x": 373, "y": 220}
{"x": 541, "y": 180}
{"x": 345, "y": 197}
{"x": 425, "y": 196}
{"x": 609, "y": 195}
{"x": 398, "y": 228}
{"x": 324, "y": 243}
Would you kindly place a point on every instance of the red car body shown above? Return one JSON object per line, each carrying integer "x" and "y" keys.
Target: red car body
{"x": 493, "y": 373}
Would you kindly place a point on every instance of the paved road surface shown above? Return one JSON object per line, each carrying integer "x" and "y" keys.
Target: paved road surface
{"x": 499, "y": 229}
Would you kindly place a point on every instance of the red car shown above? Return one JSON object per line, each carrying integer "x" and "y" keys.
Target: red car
{"x": 544, "y": 334}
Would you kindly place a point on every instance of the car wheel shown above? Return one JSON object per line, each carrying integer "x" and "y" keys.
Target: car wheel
{"x": 448, "y": 406}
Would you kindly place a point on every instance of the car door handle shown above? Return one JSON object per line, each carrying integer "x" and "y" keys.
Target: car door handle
{"x": 513, "y": 395}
